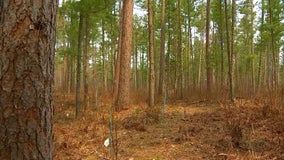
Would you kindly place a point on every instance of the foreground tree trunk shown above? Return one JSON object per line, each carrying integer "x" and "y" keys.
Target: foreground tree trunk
{"x": 27, "y": 39}
{"x": 122, "y": 99}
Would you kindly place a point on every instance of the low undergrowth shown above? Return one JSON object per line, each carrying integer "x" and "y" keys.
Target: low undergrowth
{"x": 246, "y": 129}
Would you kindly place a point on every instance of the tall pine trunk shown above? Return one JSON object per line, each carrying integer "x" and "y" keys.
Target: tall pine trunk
{"x": 252, "y": 46}
{"x": 260, "y": 63}
{"x": 151, "y": 55}
{"x": 274, "y": 54}
{"x": 104, "y": 56}
{"x": 72, "y": 62}
{"x": 78, "y": 74}
{"x": 118, "y": 57}
{"x": 207, "y": 50}
{"x": 221, "y": 42}
{"x": 86, "y": 62}
{"x": 230, "y": 63}
{"x": 232, "y": 56}
{"x": 189, "y": 47}
{"x": 27, "y": 47}
{"x": 126, "y": 44}
{"x": 179, "y": 61}
{"x": 162, "y": 50}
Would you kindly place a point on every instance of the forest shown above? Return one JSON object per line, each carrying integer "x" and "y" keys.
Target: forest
{"x": 195, "y": 68}
{"x": 142, "y": 79}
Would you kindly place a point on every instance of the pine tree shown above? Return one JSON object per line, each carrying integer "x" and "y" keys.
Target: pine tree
{"x": 26, "y": 77}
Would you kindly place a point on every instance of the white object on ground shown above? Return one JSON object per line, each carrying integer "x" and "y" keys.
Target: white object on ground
{"x": 106, "y": 143}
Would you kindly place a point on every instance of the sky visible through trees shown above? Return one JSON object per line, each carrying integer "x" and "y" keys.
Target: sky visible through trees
{"x": 244, "y": 45}
{"x": 212, "y": 70}
{"x": 178, "y": 79}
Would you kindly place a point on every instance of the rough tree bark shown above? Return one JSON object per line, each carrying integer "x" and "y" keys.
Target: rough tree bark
{"x": 122, "y": 99}
{"x": 27, "y": 39}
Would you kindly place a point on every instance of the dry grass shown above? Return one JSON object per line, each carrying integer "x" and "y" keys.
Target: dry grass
{"x": 247, "y": 129}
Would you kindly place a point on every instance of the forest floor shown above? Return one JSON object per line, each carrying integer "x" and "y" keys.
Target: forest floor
{"x": 246, "y": 129}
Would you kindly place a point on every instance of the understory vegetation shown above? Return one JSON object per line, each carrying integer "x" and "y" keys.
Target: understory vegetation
{"x": 192, "y": 128}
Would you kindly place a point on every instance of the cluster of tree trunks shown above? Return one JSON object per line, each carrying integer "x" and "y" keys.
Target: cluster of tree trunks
{"x": 207, "y": 53}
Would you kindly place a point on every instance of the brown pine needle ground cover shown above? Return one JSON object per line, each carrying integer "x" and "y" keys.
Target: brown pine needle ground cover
{"x": 244, "y": 130}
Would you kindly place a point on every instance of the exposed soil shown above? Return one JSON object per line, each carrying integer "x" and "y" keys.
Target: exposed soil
{"x": 246, "y": 129}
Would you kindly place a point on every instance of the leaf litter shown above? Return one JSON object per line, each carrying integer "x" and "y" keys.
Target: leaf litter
{"x": 188, "y": 131}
